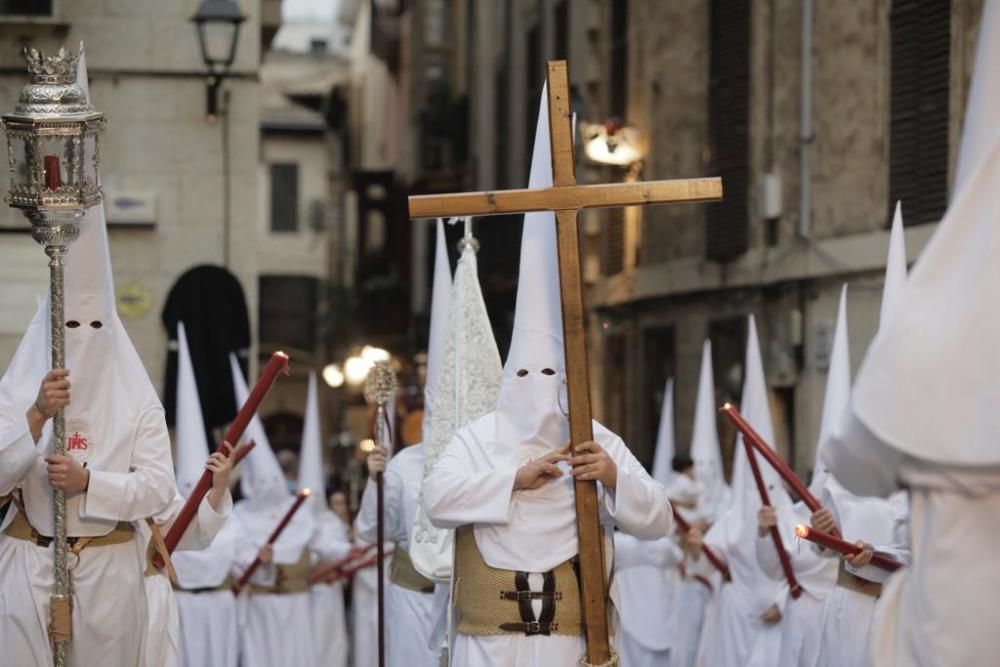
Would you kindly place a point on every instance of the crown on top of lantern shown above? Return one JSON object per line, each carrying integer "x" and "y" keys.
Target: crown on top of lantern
{"x": 53, "y": 89}
{"x": 380, "y": 385}
{"x": 60, "y": 68}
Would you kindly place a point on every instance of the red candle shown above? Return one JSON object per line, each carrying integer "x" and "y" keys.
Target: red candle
{"x": 275, "y": 534}
{"x": 834, "y": 543}
{"x": 327, "y": 570}
{"x": 347, "y": 573}
{"x": 278, "y": 364}
{"x": 684, "y": 528}
{"x": 238, "y": 455}
{"x": 53, "y": 177}
{"x": 786, "y": 563}
{"x": 787, "y": 474}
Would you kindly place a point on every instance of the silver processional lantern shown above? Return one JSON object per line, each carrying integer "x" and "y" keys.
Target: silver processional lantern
{"x": 53, "y": 153}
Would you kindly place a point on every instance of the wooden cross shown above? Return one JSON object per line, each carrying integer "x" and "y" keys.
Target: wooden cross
{"x": 566, "y": 198}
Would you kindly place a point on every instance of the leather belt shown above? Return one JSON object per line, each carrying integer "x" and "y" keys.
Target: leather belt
{"x": 852, "y": 582}
{"x": 544, "y": 624}
{"x": 20, "y": 528}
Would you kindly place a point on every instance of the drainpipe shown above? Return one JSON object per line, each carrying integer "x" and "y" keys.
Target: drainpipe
{"x": 805, "y": 122}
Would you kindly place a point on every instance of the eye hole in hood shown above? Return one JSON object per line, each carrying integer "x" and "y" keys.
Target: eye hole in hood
{"x": 72, "y": 324}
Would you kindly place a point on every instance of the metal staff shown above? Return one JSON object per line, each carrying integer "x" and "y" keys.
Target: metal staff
{"x": 52, "y": 139}
{"x": 380, "y": 388}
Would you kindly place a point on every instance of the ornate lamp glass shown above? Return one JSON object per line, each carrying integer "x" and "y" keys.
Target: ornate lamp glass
{"x": 53, "y": 153}
{"x": 53, "y": 141}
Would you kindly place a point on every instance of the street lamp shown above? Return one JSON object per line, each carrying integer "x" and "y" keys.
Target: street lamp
{"x": 53, "y": 154}
{"x": 218, "y": 23}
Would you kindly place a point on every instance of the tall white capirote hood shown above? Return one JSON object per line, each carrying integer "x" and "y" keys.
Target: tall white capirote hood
{"x": 924, "y": 385}
{"x": 261, "y": 479}
{"x": 895, "y": 269}
{"x": 706, "y": 451}
{"x": 266, "y": 498}
{"x": 663, "y": 458}
{"x": 111, "y": 390}
{"x": 190, "y": 440}
{"x": 736, "y": 530}
{"x": 440, "y": 304}
{"x": 530, "y": 420}
{"x": 312, "y": 474}
{"x": 756, "y": 409}
{"x": 838, "y": 393}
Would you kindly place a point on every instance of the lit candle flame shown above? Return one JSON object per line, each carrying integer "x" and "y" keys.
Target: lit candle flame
{"x": 306, "y": 492}
{"x": 802, "y": 530}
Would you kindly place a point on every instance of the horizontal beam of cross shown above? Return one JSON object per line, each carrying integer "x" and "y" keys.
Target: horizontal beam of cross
{"x": 565, "y": 198}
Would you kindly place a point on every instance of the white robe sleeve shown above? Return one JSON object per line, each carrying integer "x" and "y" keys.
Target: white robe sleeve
{"x": 663, "y": 553}
{"x": 366, "y": 522}
{"x": 638, "y": 505}
{"x": 206, "y": 525}
{"x": 767, "y": 557}
{"x": 147, "y": 489}
{"x": 456, "y": 492}
{"x": 17, "y": 453}
{"x": 330, "y": 541}
{"x": 899, "y": 549}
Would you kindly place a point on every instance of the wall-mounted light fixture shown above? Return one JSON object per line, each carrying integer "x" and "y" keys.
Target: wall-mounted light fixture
{"x": 218, "y": 23}
{"x": 612, "y": 143}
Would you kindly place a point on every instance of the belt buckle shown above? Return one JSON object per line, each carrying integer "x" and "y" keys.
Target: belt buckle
{"x": 532, "y": 628}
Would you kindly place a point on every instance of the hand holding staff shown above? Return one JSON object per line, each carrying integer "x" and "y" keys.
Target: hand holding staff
{"x": 380, "y": 388}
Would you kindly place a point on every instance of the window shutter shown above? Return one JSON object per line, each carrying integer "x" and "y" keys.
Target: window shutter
{"x": 288, "y": 311}
{"x": 613, "y": 243}
{"x": 727, "y": 233}
{"x": 920, "y": 68}
{"x": 284, "y": 197}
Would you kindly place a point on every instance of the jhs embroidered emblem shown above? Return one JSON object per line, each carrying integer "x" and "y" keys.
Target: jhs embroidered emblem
{"x": 76, "y": 436}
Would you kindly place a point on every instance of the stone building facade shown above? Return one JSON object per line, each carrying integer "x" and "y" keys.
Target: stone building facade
{"x": 720, "y": 88}
{"x": 147, "y": 76}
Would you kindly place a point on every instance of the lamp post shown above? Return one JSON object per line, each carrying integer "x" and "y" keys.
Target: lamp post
{"x": 218, "y": 23}
{"x": 53, "y": 155}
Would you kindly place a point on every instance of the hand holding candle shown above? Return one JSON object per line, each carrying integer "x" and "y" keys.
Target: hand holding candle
{"x": 786, "y": 563}
{"x": 277, "y": 365}
{"x": 684, "y": 528}
{"x": 275, "y": 534}
{"x": 844, "y": 547}
{"x": 753, "y": 438}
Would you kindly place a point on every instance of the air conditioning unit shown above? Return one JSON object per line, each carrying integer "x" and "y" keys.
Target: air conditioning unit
{"x": 130, "y": 208}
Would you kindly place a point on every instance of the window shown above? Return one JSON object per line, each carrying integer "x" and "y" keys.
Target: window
{"x": 501, "y": 142}
{"x": 317, "y": 45}
{"x": 284, "y": 197}
{"x": 288, "y": 311}
{"x": 619, "y": 58}
{"x": 562, "y": 30}
{"x": 727, "y": 233}
{"x": 26, "y": 7}
{"x": 659, "y": 363}
{"x": 615, "y": 383}
{"x": 728, "y": 338}
{"x": 920, "y": 54}
{"x": 613, "y": 242}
